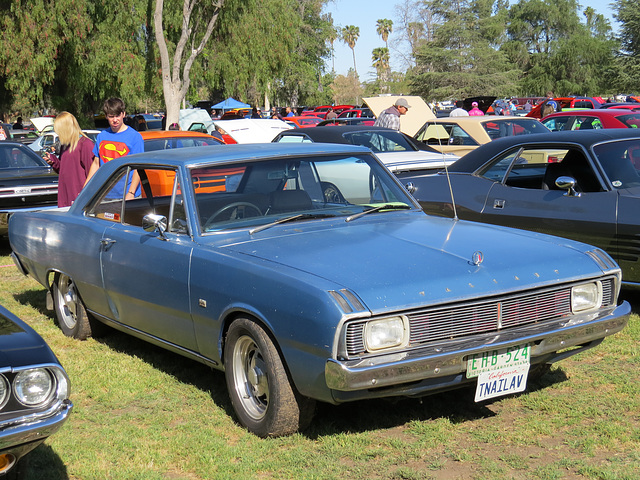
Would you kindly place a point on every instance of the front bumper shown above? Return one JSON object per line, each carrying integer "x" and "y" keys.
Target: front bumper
{"x": 33, "y": 429}
{"x": 443, "y": 366}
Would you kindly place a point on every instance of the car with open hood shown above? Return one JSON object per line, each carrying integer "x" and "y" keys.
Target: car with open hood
{"x": 306, "y": 272}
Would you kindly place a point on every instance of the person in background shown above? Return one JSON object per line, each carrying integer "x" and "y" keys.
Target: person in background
{"x": 390, "y": 118}
{"x": 117, "y": 141}
{"x": 331, "y": 115}
{"x": 289, "y": 112}
{"x": 475, "y": 111}
{"x": 174, "y": 126}
{"x": 3, "y": 133}
{"x": 527, "y": 107}
{"x": 18, "y": 125}
{"x": 459, "y": 111}
{"x": 74, "y": 160}
{"x": 255, "y": 113}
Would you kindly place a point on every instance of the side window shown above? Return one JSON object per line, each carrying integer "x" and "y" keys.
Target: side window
{"x": 160, "y": 194}
{"x": 557, "y": 124}
{"x": 460, "y": 137}
{"x": 434, "y": 134}
{"x": 539, "y": 168}
{"x": 586, "y": 123}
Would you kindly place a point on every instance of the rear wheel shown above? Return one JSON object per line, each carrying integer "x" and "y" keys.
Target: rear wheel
{"x": 70, "y": 311}
{"x": 262, "y": 395}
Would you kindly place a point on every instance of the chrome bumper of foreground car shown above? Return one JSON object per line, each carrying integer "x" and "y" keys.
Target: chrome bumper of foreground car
{"x": 443, "y": 366}
{"x": 34, "y": 428}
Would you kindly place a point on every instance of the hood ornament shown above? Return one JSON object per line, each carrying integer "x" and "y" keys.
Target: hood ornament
{"x": 477, "y": 258}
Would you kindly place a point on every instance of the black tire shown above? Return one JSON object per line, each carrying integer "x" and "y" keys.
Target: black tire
{"x": 70, "y": 312}
{"x": 261, "y": 393}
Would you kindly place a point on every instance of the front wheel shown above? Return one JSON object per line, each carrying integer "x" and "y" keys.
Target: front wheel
{"x": 70, "y": 311}
{"x": 262, "y": 395}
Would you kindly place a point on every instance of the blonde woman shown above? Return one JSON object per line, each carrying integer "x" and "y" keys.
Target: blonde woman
{"x": 74, "y": 162}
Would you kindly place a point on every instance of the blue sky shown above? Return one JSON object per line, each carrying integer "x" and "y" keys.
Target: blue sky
{"x": 365, "y": 13}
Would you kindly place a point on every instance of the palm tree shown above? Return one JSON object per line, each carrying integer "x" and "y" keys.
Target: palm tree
{"x": 384, "y": 27}
{"x": 350, "y": 35}
{"x": 380, "y": 57}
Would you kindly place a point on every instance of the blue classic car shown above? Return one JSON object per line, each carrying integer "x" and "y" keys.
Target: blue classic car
{"x": 34, "y": 392}
{"x": 307, "y": 273}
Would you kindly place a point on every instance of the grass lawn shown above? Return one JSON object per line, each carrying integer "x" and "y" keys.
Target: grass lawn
{"x": 144, "y": 413}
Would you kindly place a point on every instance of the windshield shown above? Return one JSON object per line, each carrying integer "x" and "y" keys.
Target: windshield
{"x": 621, "y": 162}
{"x": 252, "y": 194}
{"x": 380, "y": 141}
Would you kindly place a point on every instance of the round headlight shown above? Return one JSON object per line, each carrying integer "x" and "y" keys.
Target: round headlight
{"x": 4, "y": 391}
{"x": 33, "y": 387}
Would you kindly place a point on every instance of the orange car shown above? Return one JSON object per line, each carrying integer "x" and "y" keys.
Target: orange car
{"x": 161, "y": 181}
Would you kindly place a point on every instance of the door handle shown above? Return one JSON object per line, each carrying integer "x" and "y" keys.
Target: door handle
{"x": 498, "y": 204}
{"x": 106, "y": 243}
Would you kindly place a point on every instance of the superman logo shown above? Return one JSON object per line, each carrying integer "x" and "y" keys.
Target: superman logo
{"x": 110, "y": 150}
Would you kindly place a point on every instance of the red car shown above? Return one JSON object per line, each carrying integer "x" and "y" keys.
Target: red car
{"x": 356, "y": 112}
{"x": 592, "y": 119}
{"x": 303, "y": 121}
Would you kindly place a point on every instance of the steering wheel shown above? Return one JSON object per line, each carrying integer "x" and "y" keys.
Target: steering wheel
{"x": 240, "y": 212}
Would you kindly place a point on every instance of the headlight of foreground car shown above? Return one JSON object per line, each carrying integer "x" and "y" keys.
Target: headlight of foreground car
{"x": 386, "y": 333}
{"x": 586, "y": 297}
{"x": 4, "y": 391}
{"x": 34, "y": 386}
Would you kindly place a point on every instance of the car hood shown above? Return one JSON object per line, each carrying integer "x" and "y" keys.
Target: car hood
{"x": 420, "y": 160}
{"x": 20, "y": 345}
{"x": 407, "y": 259}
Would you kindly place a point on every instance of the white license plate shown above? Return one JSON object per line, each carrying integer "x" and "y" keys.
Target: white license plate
{"x": 500, "y": 372}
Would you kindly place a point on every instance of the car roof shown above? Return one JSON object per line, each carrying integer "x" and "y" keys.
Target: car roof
{"x": 331, "y": 133}
{"x": 154, "y": 134}
{"x": 599, "y": 112}
{"x": 192, "y": 156}
{"x": 481, "y": 119}
{"x": 586, "y": 138}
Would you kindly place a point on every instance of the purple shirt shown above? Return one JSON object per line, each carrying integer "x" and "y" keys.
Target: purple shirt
{"x": 72, "y": 168}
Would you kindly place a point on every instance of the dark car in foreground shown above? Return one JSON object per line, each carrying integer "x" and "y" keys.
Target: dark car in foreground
{"x": 583, "y": 185}
{"x": 26, "y": 181}
{"x": 34, "y": 392}
{"x": 307, "y": 273}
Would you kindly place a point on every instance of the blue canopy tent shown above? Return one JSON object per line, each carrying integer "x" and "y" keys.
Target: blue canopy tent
{"x": 230, "y": 104}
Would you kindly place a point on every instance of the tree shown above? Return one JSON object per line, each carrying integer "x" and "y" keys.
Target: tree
{"x": 380, "y": 57}
{"x": 463, "y": 58}
{"x": 193, "y": 38}
{"x": 384, "y": 27}
{"x": 347, "y": 89}
{"x": 628, "y": 62}
{"x": 350, "y": 35}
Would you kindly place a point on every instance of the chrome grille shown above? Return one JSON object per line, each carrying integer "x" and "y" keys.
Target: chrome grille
{"x": 497, "y": 314}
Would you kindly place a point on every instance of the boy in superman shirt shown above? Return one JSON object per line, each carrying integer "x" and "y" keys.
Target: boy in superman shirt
{"x": 114, "y": 142}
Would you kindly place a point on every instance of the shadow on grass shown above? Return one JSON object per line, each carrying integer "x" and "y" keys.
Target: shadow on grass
{"x": 43, "y": 464}
{"x": 35, "y": 298}
{"x": 5, "y": 248}
{"x": 458, "y": 406}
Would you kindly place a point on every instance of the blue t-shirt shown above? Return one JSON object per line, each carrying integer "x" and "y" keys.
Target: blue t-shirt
{"x": 111, "y": 145}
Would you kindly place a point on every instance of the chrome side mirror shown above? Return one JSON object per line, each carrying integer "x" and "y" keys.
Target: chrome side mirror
{"x": 153, "y": 222}
{"x": 568, "y": 184}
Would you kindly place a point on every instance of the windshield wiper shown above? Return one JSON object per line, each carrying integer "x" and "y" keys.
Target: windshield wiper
{"x": 301, "y": 216}
{"x": 388, "y": 206}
